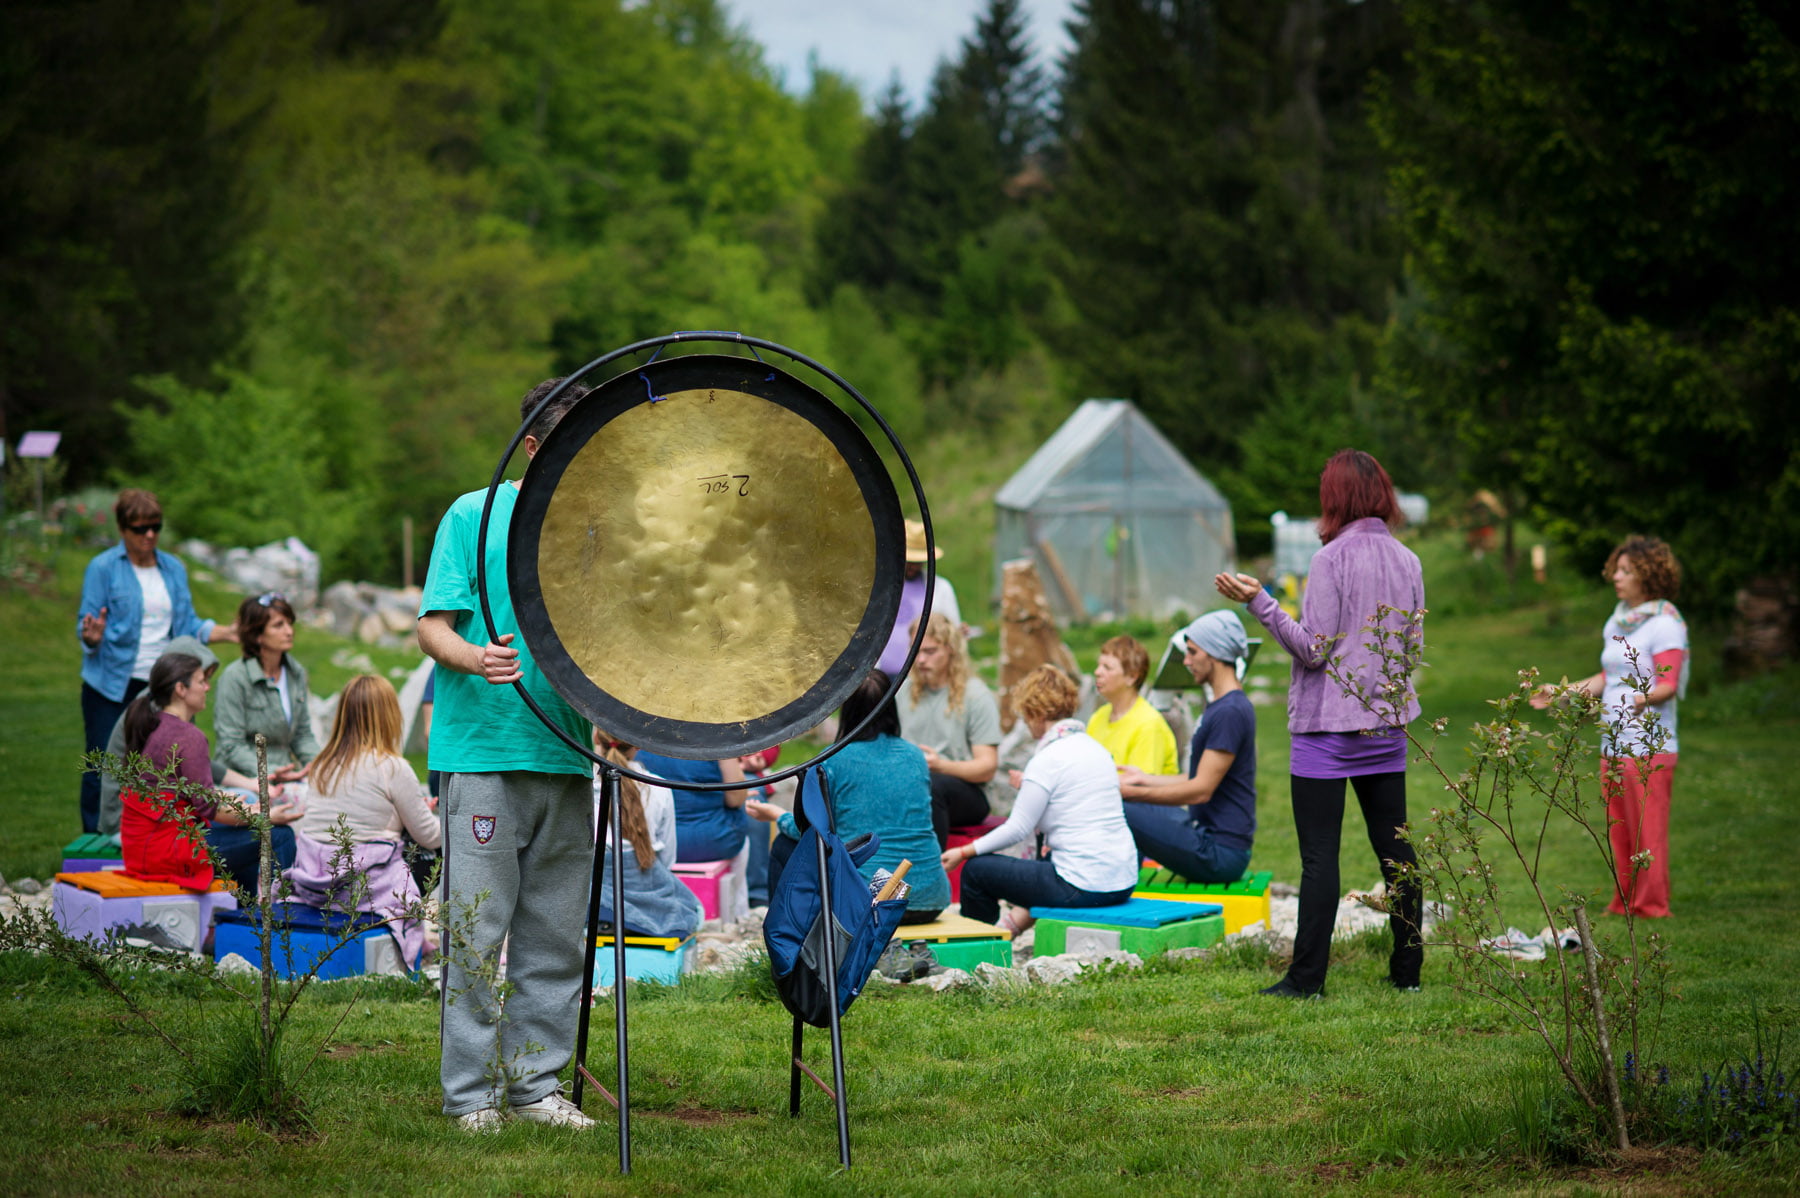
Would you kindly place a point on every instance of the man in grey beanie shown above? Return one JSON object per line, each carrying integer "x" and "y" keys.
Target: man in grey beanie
{"x": 1208, "y": 835}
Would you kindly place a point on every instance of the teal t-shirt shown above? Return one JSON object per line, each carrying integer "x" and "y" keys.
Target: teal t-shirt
{"x": 477, "y": 727}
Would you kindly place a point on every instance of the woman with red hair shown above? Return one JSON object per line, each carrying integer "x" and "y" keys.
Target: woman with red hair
{"x": 1346, "y": 724}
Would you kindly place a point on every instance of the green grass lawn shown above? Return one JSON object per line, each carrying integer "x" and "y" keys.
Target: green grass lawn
{"x": 1173, "y": 1080}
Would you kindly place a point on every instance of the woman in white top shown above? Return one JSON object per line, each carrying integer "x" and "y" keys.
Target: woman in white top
{"x": 1644, "y": 665}
{"x": 349, "y": 854}
{"x": 657, "y": 903}
{"x": 361, "y": 778}
{"x": 1069, "y": 791}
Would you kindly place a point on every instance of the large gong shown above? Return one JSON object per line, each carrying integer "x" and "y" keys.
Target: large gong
{"x": 706, "y": 556}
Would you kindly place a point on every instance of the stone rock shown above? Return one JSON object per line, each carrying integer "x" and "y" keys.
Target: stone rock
{"x": 369, "y": 628}
{"x": 398, "y": 620}
{"x": 1053, "y": 971}
{"x": 28, "y": 886}
{"x": 1283, "y": 890}
{"x": 949, "y": 979}
{"x": 999, "y": 975}
{"x": 1191, "y": 953}
{"x": 876, "y": 977}
{"x": 1113, "y": 958}
{"x": 286, "y": 566}
{"x": 233, "y": 963}
{"x": 2, "y": 883}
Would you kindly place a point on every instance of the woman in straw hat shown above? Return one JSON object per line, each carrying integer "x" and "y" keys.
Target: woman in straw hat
{"x": 912, "y": 600}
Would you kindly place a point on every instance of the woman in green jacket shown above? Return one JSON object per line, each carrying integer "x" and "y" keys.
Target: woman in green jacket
{"x": 265, "y": 692}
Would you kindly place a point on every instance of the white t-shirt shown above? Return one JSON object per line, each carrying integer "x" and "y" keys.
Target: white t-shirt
{"x": 287, "y": 696}
{"x": 1070, "y": 793}
{"x": 943, "y": 599}
{"x": 659, "y": 813}
{"x": 159, "y": 614}
{"x": 1621, "y": 735}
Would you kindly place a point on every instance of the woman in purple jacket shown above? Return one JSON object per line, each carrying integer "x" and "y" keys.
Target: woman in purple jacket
{"x": 1339, "y": 735}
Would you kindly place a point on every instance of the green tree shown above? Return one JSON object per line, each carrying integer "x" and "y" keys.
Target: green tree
{"x": 1218, "y": 204}
{"x": 123, "y": 212}
{"x": 1604, "y": 307}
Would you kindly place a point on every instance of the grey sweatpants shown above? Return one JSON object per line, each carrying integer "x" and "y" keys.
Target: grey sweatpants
{"x": 518, "y": 857}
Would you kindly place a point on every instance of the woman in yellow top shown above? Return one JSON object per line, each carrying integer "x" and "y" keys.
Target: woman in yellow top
{"x": 1132, "y": 731}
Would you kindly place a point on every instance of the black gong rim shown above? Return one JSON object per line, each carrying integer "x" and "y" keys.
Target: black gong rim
{"x": 692, "y": 739}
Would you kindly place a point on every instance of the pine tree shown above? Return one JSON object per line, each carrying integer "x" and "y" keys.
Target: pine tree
{"x": 1218, "y": 205}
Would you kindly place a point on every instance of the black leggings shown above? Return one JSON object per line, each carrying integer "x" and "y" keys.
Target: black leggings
{"x": 1319, "y": 822}
{"x": 955, "y": 804}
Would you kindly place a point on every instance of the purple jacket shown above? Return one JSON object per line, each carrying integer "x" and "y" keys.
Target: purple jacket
{"x": 1361, "y": 569}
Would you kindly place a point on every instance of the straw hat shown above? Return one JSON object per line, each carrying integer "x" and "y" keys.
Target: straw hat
{"x": 915, "y": 543}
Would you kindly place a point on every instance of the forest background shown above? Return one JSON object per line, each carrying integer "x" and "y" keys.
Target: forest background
{"x": 291, "y": 262}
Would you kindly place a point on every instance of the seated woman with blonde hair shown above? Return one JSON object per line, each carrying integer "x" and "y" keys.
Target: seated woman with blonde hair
{"x": 1070, "y": 792}
{"x": 657, "y": 903}
{"x": 365, "y": 790}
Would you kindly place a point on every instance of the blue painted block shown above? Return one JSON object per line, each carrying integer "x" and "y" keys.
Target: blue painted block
{"x": 1132, "y": 913}
{"x": 340, "y": 947}
{"x": 646, "y": 960}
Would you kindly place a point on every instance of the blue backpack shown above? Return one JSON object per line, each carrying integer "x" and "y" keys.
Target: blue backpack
{"x": 794, "y": 929}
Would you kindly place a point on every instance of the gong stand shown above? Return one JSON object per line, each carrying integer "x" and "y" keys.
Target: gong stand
{"x": 609, "y": 820}
{"x": 562, "y": 582}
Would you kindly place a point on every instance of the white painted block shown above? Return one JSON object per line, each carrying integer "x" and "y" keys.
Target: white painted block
{"x": 1091, "y": 940}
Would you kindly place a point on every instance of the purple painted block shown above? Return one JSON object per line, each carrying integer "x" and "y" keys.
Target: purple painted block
{"x": 90, "y": 865}
{"x": 185, "y": 917}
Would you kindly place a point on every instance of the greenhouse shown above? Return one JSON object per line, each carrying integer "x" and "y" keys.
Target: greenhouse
{"x": 1116, "y": 520}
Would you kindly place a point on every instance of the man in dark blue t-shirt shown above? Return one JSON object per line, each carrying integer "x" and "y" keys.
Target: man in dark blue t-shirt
{"x": 1210, "y": 840}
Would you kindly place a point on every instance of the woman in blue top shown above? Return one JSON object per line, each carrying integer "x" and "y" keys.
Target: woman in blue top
{"x": 877, "y": 783}
{"x": 710, "y": 825}
{"x": 134, "y": 600}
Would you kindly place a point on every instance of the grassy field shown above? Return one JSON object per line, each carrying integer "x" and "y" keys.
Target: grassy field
{"x": 1173, "y": 1080}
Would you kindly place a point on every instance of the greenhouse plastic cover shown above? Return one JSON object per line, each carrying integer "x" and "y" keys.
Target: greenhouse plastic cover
{"x": 1117, "y": 521}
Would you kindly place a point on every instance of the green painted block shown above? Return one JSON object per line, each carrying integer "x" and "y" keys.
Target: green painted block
{"x": 92, "y": 844}
{"x": 1246, "y": 901}
{"x": 1167, "y": 881}
{"x": 967, "y": 954}
{"x": 1053, "y": 935}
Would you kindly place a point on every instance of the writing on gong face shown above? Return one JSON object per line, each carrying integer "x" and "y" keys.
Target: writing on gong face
{"x": 721, "y": 484}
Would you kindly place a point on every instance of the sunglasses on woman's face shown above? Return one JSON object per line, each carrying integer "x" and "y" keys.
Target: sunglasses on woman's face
{"x": 141, "y": 529}
{"x": 268, "y": 598}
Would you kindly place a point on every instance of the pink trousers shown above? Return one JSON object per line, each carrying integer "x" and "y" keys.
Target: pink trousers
{"x": 1637, "y": 814}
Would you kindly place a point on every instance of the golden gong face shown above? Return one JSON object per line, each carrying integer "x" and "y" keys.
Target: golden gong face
{"x": 706, "y": 557}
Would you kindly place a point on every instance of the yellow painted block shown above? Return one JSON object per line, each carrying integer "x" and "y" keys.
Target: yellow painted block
{"x": 1240, "y": 910}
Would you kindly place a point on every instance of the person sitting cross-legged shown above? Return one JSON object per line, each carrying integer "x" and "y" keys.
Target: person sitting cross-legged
{"x": 878, "y": 784}
{"x": 1134, "y": 732}
{"x": 1202, "y": 825}
{"x": 1069, "y": 791}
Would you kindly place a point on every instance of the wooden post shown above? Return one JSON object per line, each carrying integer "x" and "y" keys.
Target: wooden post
{"x": 406, "y": 551}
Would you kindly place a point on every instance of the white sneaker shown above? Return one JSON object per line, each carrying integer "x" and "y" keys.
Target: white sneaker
{"x": 485, "y": 1122}
{"x": 554, "y": 1109}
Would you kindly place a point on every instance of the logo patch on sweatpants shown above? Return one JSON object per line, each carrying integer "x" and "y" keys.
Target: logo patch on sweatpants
{"x": 484, "y": 828}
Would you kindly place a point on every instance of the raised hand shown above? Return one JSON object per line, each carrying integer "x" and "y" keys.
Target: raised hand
{"x": 93, "y": 628}
{"x": 1239, "y": 588}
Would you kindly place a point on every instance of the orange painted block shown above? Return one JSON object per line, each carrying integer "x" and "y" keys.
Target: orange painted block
{"x": 112, "y": 884}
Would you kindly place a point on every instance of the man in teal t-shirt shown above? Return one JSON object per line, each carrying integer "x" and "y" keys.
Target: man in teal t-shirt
{"x": 518, "y": 809}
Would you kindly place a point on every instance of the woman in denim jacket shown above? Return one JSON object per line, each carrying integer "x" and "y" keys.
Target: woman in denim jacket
{"x": 134, "y": 601}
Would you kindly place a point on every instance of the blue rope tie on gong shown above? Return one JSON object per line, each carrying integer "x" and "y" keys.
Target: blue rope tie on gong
{"x": 649, "y": 390}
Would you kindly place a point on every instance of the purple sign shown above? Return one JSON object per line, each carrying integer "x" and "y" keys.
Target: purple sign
{"x": 39, "y": 445}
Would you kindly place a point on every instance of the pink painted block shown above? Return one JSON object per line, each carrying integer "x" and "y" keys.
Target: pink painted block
{"x": 705, "y": 879}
